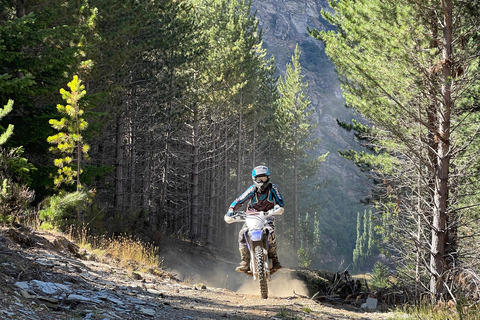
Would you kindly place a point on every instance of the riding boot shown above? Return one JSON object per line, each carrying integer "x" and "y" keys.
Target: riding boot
{"x": 245, "y": 263}
{"x": 272, "y": 254}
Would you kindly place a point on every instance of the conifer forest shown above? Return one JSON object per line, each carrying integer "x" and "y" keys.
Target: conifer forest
{"x": 147, "y": 117}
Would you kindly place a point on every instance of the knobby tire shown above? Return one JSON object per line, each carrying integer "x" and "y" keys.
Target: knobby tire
{"x": 262, "y": 277}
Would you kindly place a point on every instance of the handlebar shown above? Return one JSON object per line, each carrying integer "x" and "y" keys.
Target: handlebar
{"x": 239, "y": 216}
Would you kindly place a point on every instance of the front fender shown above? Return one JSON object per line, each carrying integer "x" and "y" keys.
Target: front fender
{"x": 256, "y": 235}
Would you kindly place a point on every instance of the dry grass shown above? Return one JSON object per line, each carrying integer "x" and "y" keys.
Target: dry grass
{"x": 442, "y": 311}
{"x": 125, "y": 250}
{"x": 132, "y": 253}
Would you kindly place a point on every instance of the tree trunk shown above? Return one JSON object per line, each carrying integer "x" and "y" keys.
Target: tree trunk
{"x": 133, "y": 164}
{"x": 119, "y": 157}
{"x": 211, "y": 199}
{"x": 239, "y": 155}
{"x": 79, "y": 160}
{"x": 147, "y": 194}
{"x": 225, "y": 235}
{"x": 418, "y": 239}
{"x": 440, "y": 212}
{"x": 163, "y": 197}
{"x": 195, "y": 173}
{"x": 20, "y": 8}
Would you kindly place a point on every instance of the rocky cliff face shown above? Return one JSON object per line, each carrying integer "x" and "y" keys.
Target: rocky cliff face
{"x": 284, "y": 24}
{"x": 287, "y": 19}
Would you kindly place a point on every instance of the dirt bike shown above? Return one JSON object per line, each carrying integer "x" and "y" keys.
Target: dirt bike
{"x": 257, "y": 238}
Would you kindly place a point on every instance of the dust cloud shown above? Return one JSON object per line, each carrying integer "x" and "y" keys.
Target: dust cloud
{"x": 281, "y": 285}
{"x": 199, "y": 265}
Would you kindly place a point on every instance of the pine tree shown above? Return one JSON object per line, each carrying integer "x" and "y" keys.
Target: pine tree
{"x": 140, "y": 79}
{"x": 229, "y": 105}
{"x": 294, "y": 127}
{"x": 402, "y": 65}
{"x": 364, "y": 244}
{"x": 69, "y": 141}
{"x": 357, "y": 252}
{"x": 371, "y": 247}
{"x": 42, "y": 44}
{"x": 9, "y": 131}
{"x": 365, "y": 235}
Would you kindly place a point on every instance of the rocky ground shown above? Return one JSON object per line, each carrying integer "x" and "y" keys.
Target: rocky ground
{"x": 45, "y": 276}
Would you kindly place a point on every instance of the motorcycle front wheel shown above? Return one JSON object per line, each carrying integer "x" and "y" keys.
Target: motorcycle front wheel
{"x": 262, "y": 276}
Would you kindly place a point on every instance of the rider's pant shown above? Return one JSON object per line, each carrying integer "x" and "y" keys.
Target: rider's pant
{"x": 242, "y": 242}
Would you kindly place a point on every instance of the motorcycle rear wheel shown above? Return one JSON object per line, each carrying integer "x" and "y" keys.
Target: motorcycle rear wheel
{"x": 262, "y": 276}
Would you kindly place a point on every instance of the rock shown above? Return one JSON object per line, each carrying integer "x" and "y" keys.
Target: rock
{"x": 79, "y": 298}
{"x": 10, "y": 270}
{"x": 46, "y": 262}
{"x": 147, "y": 312}
{"x": 200, "y": 286}
{"x": 11, "y": 314}
{"x": 136, "y": 301}
{"x": 89, "y": 316}
{"x": 49, "y": 302}
{"x": 93, "y": 257}
{"x": 114, "y": 300}
{"x": 25, "y": 294}
{"x": 136, "y": 276}
{"x": 22, "y": 285}
{"x": 50, "y": 287}
{"x": 371, "y": 304}
{"x": 155, "y": 292}
{"x": 63, "y": 243}
{"x": 112, "y": 314}
{"x": 20, "y": 238}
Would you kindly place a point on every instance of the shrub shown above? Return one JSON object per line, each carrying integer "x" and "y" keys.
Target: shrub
{"x": 61, "y": 210}
{"x": 15, "y": 196}
{"x": 380, "y": 276}
{"x": 14, "y": 201}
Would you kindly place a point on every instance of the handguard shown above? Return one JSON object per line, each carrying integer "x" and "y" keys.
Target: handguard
{"x": 278, "y": 211}
{"x": 228, "y": 219}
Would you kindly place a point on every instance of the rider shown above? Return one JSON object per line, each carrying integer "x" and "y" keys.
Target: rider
{"x": 263, "y": 196}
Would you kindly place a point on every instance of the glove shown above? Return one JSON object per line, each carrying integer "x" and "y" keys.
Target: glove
{"x": 230, "y": 213}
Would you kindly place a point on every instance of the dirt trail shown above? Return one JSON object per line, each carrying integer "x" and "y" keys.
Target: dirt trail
{"x": 44, "y": 276}
{"x": 237, "y": 295}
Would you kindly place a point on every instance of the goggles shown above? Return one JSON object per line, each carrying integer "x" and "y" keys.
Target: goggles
{"x": 261, "y": 179}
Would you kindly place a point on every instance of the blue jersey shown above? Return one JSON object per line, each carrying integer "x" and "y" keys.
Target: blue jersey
{"x": 259, "y": 200}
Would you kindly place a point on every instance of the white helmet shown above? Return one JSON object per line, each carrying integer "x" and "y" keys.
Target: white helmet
{"x": 261, "y": 177}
